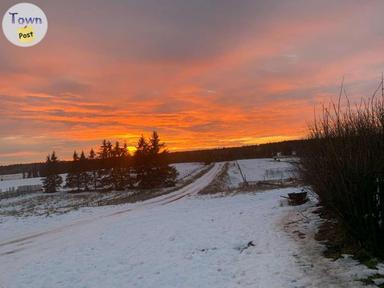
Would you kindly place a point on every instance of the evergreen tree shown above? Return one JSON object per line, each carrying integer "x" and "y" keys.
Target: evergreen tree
{"x": 52, "y": 181}
{"x": 93, "y": 179}
{"x": 141, "y": 165}
{"x": 104, "y": 173}
{"x": 155, "y": 145}
{"x": 73, "y": 180}
{"x": 104, "y": 150}
{"x": 109, "y": 148}
{"x": 162, "y": 174}
{"x": 83, "y": 175}
{"x": 120, "y": 173}
{"x": 152, "y": 164}
{"x": 126, "y": 164}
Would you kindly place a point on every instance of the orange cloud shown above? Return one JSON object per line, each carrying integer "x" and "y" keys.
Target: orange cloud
{"x": 259, "y": 83}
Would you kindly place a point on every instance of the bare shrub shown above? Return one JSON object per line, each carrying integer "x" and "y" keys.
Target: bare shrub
{"x": 344, "y": 164}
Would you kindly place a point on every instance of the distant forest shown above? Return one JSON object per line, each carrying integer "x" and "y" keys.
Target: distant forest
{"x": 205, "y": 155}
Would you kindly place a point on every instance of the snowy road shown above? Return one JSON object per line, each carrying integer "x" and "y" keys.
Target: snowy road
{"x": 173, "y": 241}
{"x": 10, "y": 246}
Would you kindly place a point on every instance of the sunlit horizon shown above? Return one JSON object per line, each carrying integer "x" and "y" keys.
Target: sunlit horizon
{"x": 203, "y": 74}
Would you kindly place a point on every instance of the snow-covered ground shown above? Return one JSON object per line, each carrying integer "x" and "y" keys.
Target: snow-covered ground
{"x": 266, "y": 169}
{"x": 39, "y": 203}
{"x": 175, "y": 240}
{"x": 6, "y": 184}
{"x": 259, "y": 170}
{"x": 187, "y": 169}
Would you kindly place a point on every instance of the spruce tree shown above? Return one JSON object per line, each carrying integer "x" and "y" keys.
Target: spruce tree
{"x": 140, "y": 161}
{"x": 73, "y": 180}
{"x": 162, "y": 174}
{"x": 126, "y": 166}
{"x": 120, "y": 173}
{"x": 151, "y": 163}
{"x": 52, "y": 181}
{"x": 83, "y": 175}
{"x": 93, "y": 179}
{"x": 104, "y": 173}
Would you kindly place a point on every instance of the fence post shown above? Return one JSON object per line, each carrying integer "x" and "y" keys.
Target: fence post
{"x": 242, "y": 175}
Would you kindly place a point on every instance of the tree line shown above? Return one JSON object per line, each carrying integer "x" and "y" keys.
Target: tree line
{"x": 205, "y": 155}
{"x": 267, "y": 150}
{"x": 112, "y": 167}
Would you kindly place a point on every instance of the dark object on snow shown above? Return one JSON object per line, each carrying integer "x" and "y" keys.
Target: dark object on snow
{"x": 297, "y": 198}
{"x": 249, "y": 244}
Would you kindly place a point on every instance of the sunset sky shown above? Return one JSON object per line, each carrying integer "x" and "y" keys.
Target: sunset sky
{"x": 203, "y": 73}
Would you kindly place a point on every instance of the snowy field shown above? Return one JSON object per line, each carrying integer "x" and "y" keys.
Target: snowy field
{"x": 266, "y": 169}
{"x": 259, "y": 170}
{"x": 187, "y": 169}
{"x": 176, "y": 240}
{"x": 7, "y": 184}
